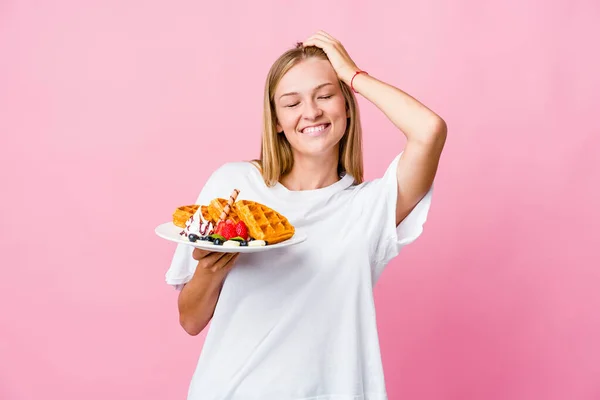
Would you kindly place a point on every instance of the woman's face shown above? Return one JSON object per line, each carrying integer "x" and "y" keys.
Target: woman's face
{"x": 311, "y": 109}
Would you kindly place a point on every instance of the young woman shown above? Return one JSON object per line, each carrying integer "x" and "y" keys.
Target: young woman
{"x": 298, "y": 323}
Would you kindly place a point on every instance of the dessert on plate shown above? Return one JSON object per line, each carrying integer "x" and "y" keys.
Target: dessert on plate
{"x": 182, "y": 214}
{"x": 227, "y": 222}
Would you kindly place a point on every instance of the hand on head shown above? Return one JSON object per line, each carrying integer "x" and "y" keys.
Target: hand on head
{"x": 337, "y": 54}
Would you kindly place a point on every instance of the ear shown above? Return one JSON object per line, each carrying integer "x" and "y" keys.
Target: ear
{"x": 279, "y": 128}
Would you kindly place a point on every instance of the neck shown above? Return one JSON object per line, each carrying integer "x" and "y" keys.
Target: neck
{"x": 310, "y": 173}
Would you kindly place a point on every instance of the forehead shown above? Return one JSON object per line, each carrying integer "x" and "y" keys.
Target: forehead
{"x": 306, "y": 75}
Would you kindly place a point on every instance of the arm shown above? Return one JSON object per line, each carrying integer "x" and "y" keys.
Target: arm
{"x": 425, "y": 133}
{"x": 198, "y": 298}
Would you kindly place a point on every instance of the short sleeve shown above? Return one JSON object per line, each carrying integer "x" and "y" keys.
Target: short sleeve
{"x": 385, "y": 238}
{"x": 183, "y": 264}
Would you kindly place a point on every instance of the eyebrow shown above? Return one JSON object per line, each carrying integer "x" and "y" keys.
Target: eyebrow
{"x": 296, "y": 93}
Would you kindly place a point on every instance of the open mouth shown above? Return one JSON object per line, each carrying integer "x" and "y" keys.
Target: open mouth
{"x": 316, "y": 130}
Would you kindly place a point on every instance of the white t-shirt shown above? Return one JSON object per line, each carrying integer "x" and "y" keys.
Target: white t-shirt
{"x": 298, "y": 323}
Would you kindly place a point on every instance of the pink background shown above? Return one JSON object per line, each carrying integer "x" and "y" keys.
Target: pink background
{"x": 111, "y": 113}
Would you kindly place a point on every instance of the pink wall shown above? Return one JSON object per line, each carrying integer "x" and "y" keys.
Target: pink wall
{"x": 102, "y": 101}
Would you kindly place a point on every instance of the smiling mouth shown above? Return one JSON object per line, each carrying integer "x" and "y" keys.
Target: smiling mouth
{"x": 315, "y": 130}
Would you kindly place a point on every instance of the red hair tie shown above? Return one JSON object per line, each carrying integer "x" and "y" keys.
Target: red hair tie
{"x": 352, "y": 80}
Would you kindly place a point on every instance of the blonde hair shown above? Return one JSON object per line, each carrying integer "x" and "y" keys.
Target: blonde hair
{"x": 276, "y": 157}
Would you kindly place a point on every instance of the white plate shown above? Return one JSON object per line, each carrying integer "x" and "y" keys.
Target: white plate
{"x": 170, "y": 231}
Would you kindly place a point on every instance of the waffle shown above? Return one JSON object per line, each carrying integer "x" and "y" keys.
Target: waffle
{"x": 205, "y": 213}
{"x": 263, "y": 222}
{"x": 182, "y": 214}
{"x": 213, "y": 211}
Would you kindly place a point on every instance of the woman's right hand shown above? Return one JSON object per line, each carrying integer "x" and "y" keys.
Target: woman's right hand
{"x": 214, "y": 261}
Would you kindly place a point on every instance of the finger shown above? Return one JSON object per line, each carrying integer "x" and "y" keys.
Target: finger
{"x": 231, "y": 262}
{"x": 318, "y": 42}
{"x": 228, "y": 259}
{"x": 327, "y": 45}
{"x": 218, "y": 260}
{"x": 213, "y": 258}
{"x": 328, "y": 36}
{"x": 334, "y": 42}
{"x": 336, "y": 46}
{"x": 321, "y": 37}
{"x": 198, "y": 254}
{"x": 330, "y": 48}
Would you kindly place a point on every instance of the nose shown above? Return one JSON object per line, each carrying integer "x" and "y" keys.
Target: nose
{"x": 311, "y": 111}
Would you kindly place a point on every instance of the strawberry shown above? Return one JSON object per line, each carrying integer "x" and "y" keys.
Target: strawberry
{"x": 228, "y": 231}
{"x": 219, "y": 227}
{"x": 241, "y": 230}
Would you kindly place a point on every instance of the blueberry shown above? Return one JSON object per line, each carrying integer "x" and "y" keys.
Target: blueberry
{"x": 193, "y": 237}
{"x": 210, "y": 238}
{"x": 243, "y": 243}
{"x": 205, "y": 238}
{"x": 218, "y": 242}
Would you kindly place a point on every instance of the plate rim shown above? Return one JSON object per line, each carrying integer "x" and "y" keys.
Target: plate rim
{"x": 300, "y": 235}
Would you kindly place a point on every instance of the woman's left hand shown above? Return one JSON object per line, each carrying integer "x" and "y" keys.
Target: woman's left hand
{"x": 339, "y": 58}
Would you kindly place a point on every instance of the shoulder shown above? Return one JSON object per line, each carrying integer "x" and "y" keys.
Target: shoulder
{"x": 389, "y": 176}
{"x": 236, "y": 173}
{"x": 232, "y": 170}
{"x": 224, "y": 178}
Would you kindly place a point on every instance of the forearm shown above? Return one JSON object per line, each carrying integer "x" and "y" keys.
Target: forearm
{"x": 198, "y": 299}
{"x": 414, "y": 119}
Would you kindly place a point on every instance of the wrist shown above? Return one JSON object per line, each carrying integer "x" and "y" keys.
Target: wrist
{"x": 355, "y": 77}
{"x": 347, "y": 74}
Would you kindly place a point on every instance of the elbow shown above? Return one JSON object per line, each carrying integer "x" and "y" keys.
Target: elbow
{"x": 440, "y": 127}
{"x": 438, "y": 130}
{"x": 441, "y": 132}
{"x": 433, "y": 136}
{"x": 190, "y": 326}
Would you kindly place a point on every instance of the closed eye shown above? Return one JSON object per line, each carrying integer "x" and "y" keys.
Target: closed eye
{"x": 326, "y": 97}
{"x": 292, "y": 105}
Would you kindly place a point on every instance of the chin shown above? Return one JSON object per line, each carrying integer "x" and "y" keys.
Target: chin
{"x": 319, "y": 151}
{"x": 316, "y": 146}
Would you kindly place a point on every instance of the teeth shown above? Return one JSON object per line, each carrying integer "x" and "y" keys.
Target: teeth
{"x": 313, "y": 129}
